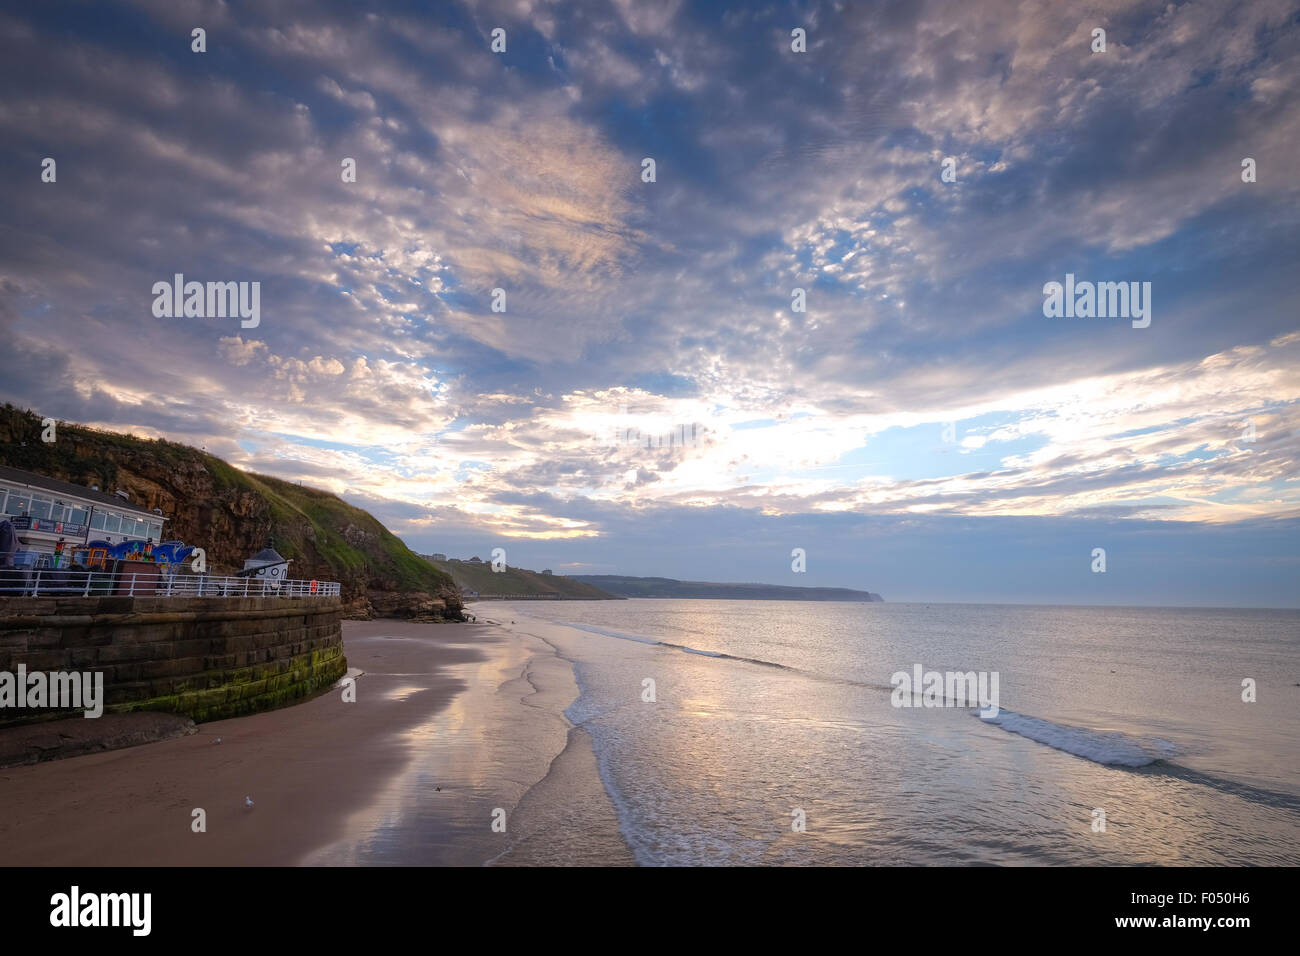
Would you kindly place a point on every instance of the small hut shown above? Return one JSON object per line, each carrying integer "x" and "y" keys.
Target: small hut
{"x": 267, "y": 566}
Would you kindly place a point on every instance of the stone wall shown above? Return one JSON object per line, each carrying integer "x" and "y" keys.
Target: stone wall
{"x": 205, "y": 658}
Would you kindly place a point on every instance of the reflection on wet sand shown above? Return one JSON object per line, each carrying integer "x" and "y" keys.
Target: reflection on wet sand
{"x": 475, "y": 756}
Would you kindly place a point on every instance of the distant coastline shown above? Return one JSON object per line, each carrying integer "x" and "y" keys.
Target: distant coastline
{"x": 480, "y": 580}
{"x": 626, "y": 586}
{"x": 488, "y": 580}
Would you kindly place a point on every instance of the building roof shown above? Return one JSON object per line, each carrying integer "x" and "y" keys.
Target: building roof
{"x": 68, "y": 489}
{"x": 267, "y": 556}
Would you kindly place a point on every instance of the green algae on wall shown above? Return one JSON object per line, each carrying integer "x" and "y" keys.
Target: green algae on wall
{"x": 203, "y": 658}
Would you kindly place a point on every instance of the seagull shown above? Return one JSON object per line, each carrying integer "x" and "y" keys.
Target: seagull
{"x": 248, "y": 802}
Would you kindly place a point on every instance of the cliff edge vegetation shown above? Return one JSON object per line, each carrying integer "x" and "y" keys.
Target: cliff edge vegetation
{"x": 232, "y": 513}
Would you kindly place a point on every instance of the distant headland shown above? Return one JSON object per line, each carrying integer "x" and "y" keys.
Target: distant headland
{"x": 625, "y": 586}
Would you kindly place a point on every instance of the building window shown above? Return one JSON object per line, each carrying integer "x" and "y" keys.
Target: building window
{"x": 40, "y": 507}
{"x": 112, "y": 523}
{"x": 76, "y": 515}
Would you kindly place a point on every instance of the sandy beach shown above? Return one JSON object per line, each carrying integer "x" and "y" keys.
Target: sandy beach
{"x": 454, "y": 725}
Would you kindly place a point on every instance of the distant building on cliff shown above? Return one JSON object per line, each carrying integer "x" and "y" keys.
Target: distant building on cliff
{"x": 546, "y": 570}
{"x": 438, "y": 557}
{"x": 476, "y": 560}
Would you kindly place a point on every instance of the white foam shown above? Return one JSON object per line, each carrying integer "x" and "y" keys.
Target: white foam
{"x": 606, "y": 633}
{"x": 1100, "y": 746}
{"x": 691, "y": 650}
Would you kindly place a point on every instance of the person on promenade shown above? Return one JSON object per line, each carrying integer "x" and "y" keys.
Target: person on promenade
{"x": 8, "y": 543}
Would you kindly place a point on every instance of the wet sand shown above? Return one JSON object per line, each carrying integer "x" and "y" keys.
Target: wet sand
{"x": 453, "y": 727}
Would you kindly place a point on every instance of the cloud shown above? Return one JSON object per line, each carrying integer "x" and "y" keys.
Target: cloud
{"x": 380, "y": 369}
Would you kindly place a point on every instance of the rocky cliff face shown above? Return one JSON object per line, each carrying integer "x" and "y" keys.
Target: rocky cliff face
{"x": 231, "y": 514}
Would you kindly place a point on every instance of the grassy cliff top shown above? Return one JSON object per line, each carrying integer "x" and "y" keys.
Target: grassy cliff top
{"x": 481, "y": 578}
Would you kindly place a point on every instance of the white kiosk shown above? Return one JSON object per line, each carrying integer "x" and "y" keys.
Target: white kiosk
{"x": 268, "y": 567}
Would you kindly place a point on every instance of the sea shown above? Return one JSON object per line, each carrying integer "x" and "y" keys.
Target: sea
{"x": 772, "y": 733}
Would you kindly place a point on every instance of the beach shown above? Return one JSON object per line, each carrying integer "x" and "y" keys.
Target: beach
{"x": 452, "y": 724}
{"x": 689, "y": 732}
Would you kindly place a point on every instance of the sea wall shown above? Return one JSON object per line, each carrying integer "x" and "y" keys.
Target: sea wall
{"x": 205, "y": 658}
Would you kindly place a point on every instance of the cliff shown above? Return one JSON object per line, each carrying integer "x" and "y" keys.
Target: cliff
{"x": 626, "y": 586}
{"x": 519, "y": 581}
{"x": 231, "y": 514}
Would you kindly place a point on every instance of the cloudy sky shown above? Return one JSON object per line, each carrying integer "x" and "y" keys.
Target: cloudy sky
{"x": 923, "y": 429}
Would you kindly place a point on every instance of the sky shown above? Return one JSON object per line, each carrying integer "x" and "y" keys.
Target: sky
{"x": 644, "y": 394}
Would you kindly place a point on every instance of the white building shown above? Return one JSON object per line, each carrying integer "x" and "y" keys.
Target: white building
{"x": 267, "y": 566}
{"x": 43, "y": 510}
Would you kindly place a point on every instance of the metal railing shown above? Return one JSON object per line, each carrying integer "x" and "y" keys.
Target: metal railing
{"x": 69, "y": 582}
